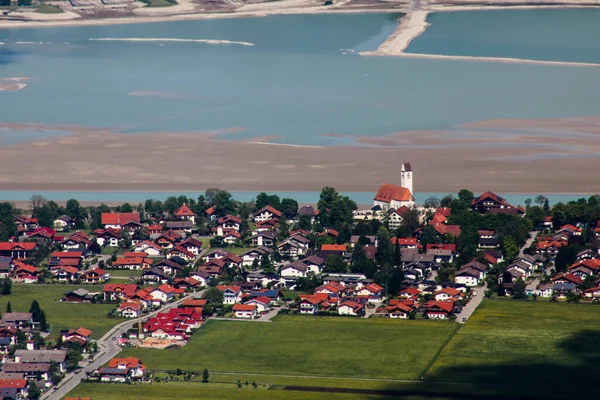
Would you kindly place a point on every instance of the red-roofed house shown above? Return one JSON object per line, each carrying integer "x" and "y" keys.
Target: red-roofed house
{"x": 130, "y": 309}
{"x": 447, "y": 294}
{"x": 16, "y": 249}
{"x": 405, "y": 243}
{"x": 246, "y": 311}
{"x": 231, "y": 294}
{"x": 132, "y": 263}
{"x": 410, "y": 293}
{"x": 438, "y": 309}
{"x": 488, "y": 201}
{"x": 95, "y": 275}
{"x": 262, "y": 303}
{"x": 185, "y": 214}
{"x": 118, "y": 220}
{"x": 266, "y": 213}
{"x": 123, "y": 370}
{"x": 351, "y": 307}
{"x": 119, "y": 291}
{"x": 567, "y": 278}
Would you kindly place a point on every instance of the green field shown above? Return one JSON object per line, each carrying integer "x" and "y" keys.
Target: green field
{"x": 61, "y": 315}
{"x": 303, "y": 345}
{"x": 527, "y": 343}
{"x": 124, "y": 273}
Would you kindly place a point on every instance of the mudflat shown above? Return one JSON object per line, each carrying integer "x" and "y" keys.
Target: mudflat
{"x": 510, "y": 156}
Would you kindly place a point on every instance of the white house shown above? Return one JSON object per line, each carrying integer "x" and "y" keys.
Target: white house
{"x": 297, "y": 269}
{"x": 469, "y": 277}
{"x": 266, "y": 213}
{"x": 231, "y": 294}
{"x": 245, "y": 311}
{"x": 350, "y": 308}
{"x": 262, "y": 303}
{"x": 148, "y": 247}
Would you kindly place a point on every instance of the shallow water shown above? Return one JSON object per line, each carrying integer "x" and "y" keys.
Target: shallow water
{"x": 300, "y": 81}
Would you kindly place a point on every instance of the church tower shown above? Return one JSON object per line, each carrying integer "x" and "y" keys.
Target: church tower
{"x": 406, "y": 177}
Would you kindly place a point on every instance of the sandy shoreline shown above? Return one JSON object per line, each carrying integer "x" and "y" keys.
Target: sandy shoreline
{"x": 513, "y": 156}
{"x": 188, "y": 10}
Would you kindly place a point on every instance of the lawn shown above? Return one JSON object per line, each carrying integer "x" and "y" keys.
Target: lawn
{"x": 61, "y": 315}
{"x": 228, "y": 390}
{"x": 531, "y": 343}
{"x": 238, "y": 250}
{"x": 303, "y": 345}
{"x": 124, "y": 272}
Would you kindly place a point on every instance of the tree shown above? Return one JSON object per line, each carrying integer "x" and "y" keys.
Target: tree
{"x": 214, "y": 296}
{"x": 37, "y": 201}
{"x": 126, "y": 208}
{"x": 573, "y": 297}
{"x": 511, "y": 249}
{"x": 384, "y": 247}
{"x": 305, "y": 222}
{"x": 431, "y": 202}
{"x": 94, "y": 247}
{"x": 74, "y": 210}
{"x": 223, "y": 202}
{"x": 6, "y": 286}
{"x": 466, "y": 196}
{"x": 205, "y": 375}
{"x": 289, "y": 207}
{"x": 446, "y": 201}
{"x": 518, "y": 290}
{"x": 34, "y": 392}
{"x": 8, "y": 307}
{"x": 42, "y": 321}
{"x": 335, "y": 264}
{"x": 283, "y": 229}
{"x": 73, "y": 359}
{"x": 540, "y": 200}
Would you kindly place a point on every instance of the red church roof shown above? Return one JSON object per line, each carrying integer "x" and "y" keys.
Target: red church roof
{"x": 388, "y": 192}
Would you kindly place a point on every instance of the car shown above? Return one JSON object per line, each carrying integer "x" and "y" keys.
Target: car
{"x": 464, "y": 320}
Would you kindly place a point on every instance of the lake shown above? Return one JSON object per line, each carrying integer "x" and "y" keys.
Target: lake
{"x": 300, "y": 82}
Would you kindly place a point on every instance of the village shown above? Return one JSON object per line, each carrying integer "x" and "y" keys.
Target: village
{"x": 169, "y": 270}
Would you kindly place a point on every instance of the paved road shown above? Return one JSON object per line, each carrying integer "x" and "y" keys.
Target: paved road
{"x": 472, "y": 305}
{"x": 528, "y": 242}
{"x": 107, "y": 349}
{"x": 263, "y": 318}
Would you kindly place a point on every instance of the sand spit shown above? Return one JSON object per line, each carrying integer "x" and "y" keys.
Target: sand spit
{"x": 10, "y": 84}
{"x": 209, "y": 41}
{"x": 410, "y": 26}
{"x": 488, "y": 155}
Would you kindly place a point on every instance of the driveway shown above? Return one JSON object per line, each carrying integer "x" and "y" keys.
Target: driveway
{"x": 472, "y": 305}
{"x": 107, "y": 349}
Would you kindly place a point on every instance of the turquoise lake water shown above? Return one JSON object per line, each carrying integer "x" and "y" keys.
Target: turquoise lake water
{"x": 301, "y": 197}
{"x": 300, "y": 81}
{"x": 540, "y": 34}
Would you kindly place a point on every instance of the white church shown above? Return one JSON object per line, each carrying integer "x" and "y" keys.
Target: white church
{"x": 393, "y": 196}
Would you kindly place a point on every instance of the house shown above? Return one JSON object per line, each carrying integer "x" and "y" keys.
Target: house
{"x": 185, "y": 214}
{"x": 17, "y": 249}
{"x": 488, "y": 240}
{"x": 76, "y": 241}
{"x": 373, "y": 292}
{"x": 123, "y": 370}
{"x": 231, "y": 294}
{"x": 395, "y": 217}
{"x": 81, "y": 336}
{"x": 118, "y": 220}
{"x": 163, "y": 293}
{"x": 395, "y": 311}
{"x": 63, "y": 223}
{"x": 195, "y": 304}
{"x": 17, "y": 320}
{"x": 132, "y": 263}
{"x": 119, "y": 291}
{"x": 129, "y": 309}
{"x": 246, "y": 311}
{"x": 567, "y": 278}
{"x": 192, "y": 245}
{"x": 438, "y": 309}
{"x": 404, "y": 243}
{"x": 311, "y": 304}
{"x": 525, "y": 269}
{"x": 308, "y": 211}
{"x": 58, "y": 357}
{"x": 391, "y": 196}
{"x": 332, "y": 249}
{"x": 65, "y": 274}
{"x": 488, "y": 201}
{"x": 25, "y": 273}
{"x": 150, "y": 248}
{"x": 169, "y": 266}
{"x": 409, "y": 293}
{"x": 224, "y": 256}
{"x": 265, "y": 238}
{"x": 351, "y": 307}
{"x": 255, "y": 254}
{"x": 180, "y": 227}
{"x": 154, "y": 230}
{"x": 297, "y": 269}
{"x": 592, "y": 293}
{"x": 79, "y": 296}
{"x": 168, "y": 239}
{"x": 13, "y": 388}
{"x": 154, "y": 276}
{"x": 447, "y": 294}
{"x": 545, "y": 290}
{"x": 315, "y": 264}
{"x": 228, "y": 223}
{"x": 107, "y": 237}
{"x": 468, "y": 276}
{"x": 95, "y": 275}
{"x": 266, "y": 213}
{"x": 550, "y": 247}
{"x": 562, "y": 289}
{"x": 5, "y": 266}
{"x": 181, "y": 252}
{"x": 262, "y": 303}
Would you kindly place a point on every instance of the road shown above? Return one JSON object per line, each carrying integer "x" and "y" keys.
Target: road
{"x": 472, "y": 305}
{"x": 107, "y": 349}
{"x": 528, "y": 242}
{"x": 263, "y": 318}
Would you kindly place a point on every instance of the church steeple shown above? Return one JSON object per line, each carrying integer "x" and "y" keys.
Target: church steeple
{"x": 406, "y": 177}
